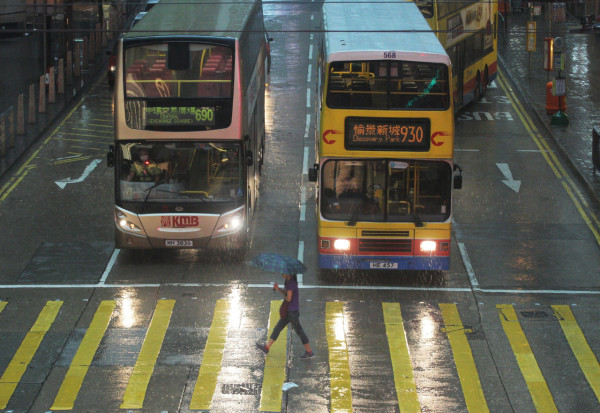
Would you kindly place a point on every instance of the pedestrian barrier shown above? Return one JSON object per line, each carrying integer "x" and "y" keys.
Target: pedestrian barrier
{"x": 552, "y": 101}
{"x": 7, "y": 131}
{"x": 596, "y": 147}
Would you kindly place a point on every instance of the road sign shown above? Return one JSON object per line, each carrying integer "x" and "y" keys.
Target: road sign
{"x": 531, "y": 31}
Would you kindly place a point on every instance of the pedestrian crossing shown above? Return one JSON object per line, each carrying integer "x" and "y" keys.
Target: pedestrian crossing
{"x": 337, "y": 355}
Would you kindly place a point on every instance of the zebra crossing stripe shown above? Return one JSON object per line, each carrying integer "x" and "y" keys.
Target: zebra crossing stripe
{"x": 538, "y": 388}
{"x": 580, "y": 347}
{"x": 144, "y": 366}
{"x": 20, "y": 361}
{"x": 463, "y": 358}
{"x": 339, "y": 365}
{"x": 406, "y": 390}
{"x": 275, "y": 365}
{"x": 212, "y": 358}
{"x": 65, "y": 399}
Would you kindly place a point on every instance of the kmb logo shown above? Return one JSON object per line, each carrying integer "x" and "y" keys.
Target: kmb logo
{"x": 178, "y": 222}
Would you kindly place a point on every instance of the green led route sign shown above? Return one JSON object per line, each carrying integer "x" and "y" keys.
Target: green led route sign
{"x": 387, "y": 134}
{"x": 180, "y": 116}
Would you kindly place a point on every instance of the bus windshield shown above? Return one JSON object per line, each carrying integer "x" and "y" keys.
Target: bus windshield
{"x": 182, "y": 172}
{"x": 395, "y": 85}
{"x": 178, "y": 86}
{"x": 386, "y": 190}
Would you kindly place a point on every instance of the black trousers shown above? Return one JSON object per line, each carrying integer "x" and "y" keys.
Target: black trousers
{"x": 293, "y": 317}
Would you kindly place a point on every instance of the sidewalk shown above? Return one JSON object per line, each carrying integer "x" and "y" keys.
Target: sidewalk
{"x": 582, "y": 72}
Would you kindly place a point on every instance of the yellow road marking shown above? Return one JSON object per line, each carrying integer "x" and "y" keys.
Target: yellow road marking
{"x": 540, "y": 393}
{"x": 339, "y": 365}
{"x": 585, "y": 212}
{"x": 17, "y": 366}
{"x": 2, "y": 305}
{"x": 212, "y": 358}
{"x": 581, "y": 349}
{"x": 144, "y": 366}
{"x": 11, "y": 187}
{"x": 275, "y": 365}
{"x": 65, "y": 399}
{"x": 406, "y": 390}
{"x": 463, "y": 357}
{"x": 22, "y": 171}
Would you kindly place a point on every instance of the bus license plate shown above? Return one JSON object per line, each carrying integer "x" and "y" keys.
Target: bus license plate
{"x": 383, "y": 265}
{"x": 179, "y": 243}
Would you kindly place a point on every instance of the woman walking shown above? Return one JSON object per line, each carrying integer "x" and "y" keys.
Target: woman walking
{"x": 291, "y": 297}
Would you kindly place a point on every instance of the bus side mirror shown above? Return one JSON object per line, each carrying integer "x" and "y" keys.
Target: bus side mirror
{"x": 110, "y": 156}
{"x": 458, "y": 182}
{"x": 249, "y": 158}
{"x": 458, "y": 178}
{"x": 313, "y": 173}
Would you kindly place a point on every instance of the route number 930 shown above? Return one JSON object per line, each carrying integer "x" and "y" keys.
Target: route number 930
{"x": 389, "y": 55}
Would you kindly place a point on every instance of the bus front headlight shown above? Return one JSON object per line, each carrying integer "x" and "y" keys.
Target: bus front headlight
{"x": 341, "y": 244}
{"x": 428, "y": 246}
{"x": 232, "y": 224}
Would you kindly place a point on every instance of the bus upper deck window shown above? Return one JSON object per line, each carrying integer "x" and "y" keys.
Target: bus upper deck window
{"x": 179, "y": 56}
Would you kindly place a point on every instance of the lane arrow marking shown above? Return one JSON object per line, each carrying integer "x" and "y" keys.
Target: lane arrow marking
{"x": 509, "y": 181}
{"x": 88, "y": 170}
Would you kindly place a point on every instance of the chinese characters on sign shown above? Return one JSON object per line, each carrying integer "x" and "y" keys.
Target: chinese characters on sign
{"x": 387, "y": 134}
{"x": 179, "y": 116}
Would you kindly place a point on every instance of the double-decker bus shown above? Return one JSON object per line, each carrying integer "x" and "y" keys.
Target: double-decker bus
{"x": 385, "y": 168}
{"x": 468, "y": 31}
{"x": 189, "y": 125}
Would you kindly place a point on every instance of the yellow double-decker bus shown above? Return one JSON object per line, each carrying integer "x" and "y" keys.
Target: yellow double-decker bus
{"x": 385, "y": 168}
{"x": 468, "y": 31}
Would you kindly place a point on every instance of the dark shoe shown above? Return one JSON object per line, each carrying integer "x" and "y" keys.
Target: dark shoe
{"x": 262, "y": 347}
{"x": 307, "y": 355}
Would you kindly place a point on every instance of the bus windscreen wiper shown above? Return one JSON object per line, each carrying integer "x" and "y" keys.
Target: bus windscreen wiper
{"x": 418, "y": 221}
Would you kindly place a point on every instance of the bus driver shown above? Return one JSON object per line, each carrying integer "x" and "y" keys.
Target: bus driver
{"x": 144, "y": 170}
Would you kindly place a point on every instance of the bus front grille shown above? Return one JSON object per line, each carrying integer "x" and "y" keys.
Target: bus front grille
{"x": 376, "y": 233}
{"x": 385, "y": 245}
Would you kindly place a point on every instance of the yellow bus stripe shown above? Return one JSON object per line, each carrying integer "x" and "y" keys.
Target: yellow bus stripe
{"x": 144, "y": 366}
{"x": 406, "y": 390}
{"x": 579, "y": 345}
{"x": 275, "y": 365}
{"x": 212, "y": 358}
{"x": 65, "y": 399}
{"x": 339, "y": 365}
{"x": 17, "y": 366}
{"x": 463, "y": 357}
{"x": 540, "y": 393}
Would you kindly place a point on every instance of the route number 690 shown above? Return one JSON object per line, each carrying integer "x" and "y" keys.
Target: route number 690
{"x": 389, "y": 55}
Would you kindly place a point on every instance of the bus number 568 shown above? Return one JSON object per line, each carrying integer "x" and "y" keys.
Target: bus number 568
{"x": 389, "y": 55}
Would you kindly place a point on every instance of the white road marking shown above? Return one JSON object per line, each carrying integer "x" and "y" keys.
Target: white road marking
{"x": 86, "y": 172}
{"x": 468, "y": 266}
{"x": 509, "y": 181}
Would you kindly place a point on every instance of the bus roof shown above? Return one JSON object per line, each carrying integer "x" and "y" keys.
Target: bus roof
{"x": 362, "y": 30}
{"x": 217, "y": 18}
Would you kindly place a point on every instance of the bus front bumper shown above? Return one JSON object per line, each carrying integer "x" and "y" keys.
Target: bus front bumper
{"x": 348, "y": 262}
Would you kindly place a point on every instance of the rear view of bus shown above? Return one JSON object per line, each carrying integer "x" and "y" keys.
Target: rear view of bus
{"x": 385, "y": 167}
{"x": 189, "y": 126}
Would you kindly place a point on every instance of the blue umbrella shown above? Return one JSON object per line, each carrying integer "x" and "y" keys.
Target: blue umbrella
{"x": 278, "y": 263}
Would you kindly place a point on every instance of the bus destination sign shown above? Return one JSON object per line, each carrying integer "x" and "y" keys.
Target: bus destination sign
{"x": 388, "y": 134}
{"x": 180, "y": 116}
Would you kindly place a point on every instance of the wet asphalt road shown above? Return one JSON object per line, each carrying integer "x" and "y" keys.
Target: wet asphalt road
{"x": 511, "y": 327}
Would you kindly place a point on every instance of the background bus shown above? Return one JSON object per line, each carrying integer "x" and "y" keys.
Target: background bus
{"x": 385, "y": 144}
{"x": 468, "y": 31}
{"x": 193, "y": 100}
